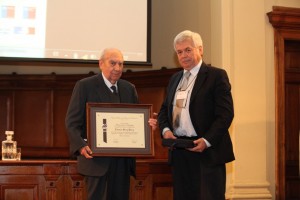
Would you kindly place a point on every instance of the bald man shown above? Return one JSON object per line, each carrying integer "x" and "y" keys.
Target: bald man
{"x": 107, "y": 178}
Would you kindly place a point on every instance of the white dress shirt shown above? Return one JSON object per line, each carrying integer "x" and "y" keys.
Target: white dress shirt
{"x": 108, "y": 84}
{"x": 186, "y": 127}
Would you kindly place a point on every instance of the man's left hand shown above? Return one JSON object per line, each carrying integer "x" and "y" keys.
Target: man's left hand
{"x": 200, "y": 145}
{"x": 153, "y": 121}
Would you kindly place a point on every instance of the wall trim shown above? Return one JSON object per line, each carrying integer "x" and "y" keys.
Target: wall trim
{"x": 249, "y": 190}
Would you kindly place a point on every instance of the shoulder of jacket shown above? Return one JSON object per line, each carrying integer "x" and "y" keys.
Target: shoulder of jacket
{"x": 125, "y": 83}
{"x": 214, "y": 68}
{"x": 90, "y": 78}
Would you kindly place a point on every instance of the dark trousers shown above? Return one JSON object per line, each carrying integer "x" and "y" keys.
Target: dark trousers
{"x": 194, "y": 180}
{"x": 114, "y": 185}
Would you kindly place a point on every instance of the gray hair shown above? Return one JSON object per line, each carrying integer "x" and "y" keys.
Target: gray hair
{"x": 106, "y": 50}
{"x": 187, "y": 34}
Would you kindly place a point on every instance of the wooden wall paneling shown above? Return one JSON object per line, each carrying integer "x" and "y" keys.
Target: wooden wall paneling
{"x": 20, "y": 191}
{"x": 162, "y": 187}
{"x": 55, "y": 186}
{"x": 41, "y": 180}
{"x": 33, "y": 118}
{"x": 292, "y": 127}
{"x": 60, "y": 105}
{"x": 6, "y": 110}
{"x": 292, "y": 52}
{"x": 152, "y": 177}
{"x": 155, "y": 96}
{"x": 17, "y": 184}
{"x": 292, "y": 145}
{"x": 35, "y": 107}
{"x": 75, "y": 186}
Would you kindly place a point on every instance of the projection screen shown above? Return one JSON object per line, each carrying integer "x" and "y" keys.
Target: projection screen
{"x": 74, "y": 30}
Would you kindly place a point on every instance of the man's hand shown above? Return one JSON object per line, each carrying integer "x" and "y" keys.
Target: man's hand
{"x": 153, "y": 121}
{"x": 200, "y": 145}
{"x": 169, "y": 135}
{"x": 86, "y": 152}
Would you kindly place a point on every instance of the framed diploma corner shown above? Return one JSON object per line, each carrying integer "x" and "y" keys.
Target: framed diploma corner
{"x": 120, "y": 130}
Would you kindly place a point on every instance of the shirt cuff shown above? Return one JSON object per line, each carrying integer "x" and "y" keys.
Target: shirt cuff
{"x": 165, "y": 130}
{"x": 207, "y": 143}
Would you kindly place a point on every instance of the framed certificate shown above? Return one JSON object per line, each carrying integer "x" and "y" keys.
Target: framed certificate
{"x": 119, "y": 129}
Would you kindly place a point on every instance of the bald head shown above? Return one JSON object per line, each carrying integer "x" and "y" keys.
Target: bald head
{"x": 106, "y": 52}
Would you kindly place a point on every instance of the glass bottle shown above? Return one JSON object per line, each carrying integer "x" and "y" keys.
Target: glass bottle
{"x": 9, "y": 147}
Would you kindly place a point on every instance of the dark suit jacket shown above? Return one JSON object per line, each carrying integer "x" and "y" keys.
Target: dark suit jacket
{"x": 211, "y": 111}
{"x": 93, "y": 89}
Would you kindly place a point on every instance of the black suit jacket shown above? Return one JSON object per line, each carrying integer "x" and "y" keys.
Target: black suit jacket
{"x": 211, "y": 111}
{"x": 93, "y": 89}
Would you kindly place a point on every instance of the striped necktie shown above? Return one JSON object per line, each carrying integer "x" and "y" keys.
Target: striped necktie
{"x": 179, "y": 102}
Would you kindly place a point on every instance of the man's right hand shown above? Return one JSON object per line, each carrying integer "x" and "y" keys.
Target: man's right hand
{"x": 169, "y": 135}
{"x": 86, "y": 152}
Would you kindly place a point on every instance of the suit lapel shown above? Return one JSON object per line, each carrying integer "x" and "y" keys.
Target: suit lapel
{"x": 122, "y": 92}
{"x": 172, "y": 91}
{"x": 175, "y": 84}
{"x": 102, "y": 91}
{"x": 125, "y": 92}
{"x": 201, "y": 76}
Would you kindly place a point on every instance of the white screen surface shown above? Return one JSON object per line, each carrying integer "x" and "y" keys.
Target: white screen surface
{"x": 73, "y": 29}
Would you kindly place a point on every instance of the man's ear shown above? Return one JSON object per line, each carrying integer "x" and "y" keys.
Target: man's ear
{"x": 100, "y": 63}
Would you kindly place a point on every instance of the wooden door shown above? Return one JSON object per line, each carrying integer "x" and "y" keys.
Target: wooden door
{"x": 292, "y": 118}
{"x": 287, "y": 79}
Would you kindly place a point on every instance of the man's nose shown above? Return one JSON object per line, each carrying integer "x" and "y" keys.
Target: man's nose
{"x": 118, "y": 66}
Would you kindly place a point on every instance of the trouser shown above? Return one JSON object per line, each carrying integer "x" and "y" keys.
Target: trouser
{"x": 194, "y": 180}
{"x": 114, "y": 185}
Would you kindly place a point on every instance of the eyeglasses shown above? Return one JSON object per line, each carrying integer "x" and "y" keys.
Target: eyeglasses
{"x": 187, "y": 50}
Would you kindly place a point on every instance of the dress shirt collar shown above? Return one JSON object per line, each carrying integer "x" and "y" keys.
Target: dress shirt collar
{"x": 108, "y": 84}
{"x": 194, "y": 71}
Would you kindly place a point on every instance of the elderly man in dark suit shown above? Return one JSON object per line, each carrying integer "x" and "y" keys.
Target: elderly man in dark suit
{"x": 198, "y": 107}
{"x": 107, "y": 178}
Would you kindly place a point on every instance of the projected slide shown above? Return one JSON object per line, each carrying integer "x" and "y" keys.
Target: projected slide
{"x": 22, "y": 28}
{"x": 73, "y": 29}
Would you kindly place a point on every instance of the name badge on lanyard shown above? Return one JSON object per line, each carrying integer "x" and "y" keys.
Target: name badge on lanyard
{"x": 182, "y": 95}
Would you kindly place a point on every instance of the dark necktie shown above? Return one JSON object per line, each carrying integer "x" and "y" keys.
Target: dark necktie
{"x": 115, "y": 95}
{"x": 179, "y": 102}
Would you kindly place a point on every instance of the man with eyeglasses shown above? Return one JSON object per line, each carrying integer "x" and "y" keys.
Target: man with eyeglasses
{"x": 198, "y": 107}
{"x": 107, "y": 178}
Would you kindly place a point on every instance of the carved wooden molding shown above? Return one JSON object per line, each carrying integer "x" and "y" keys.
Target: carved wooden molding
{"x": 284, "y": 17}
